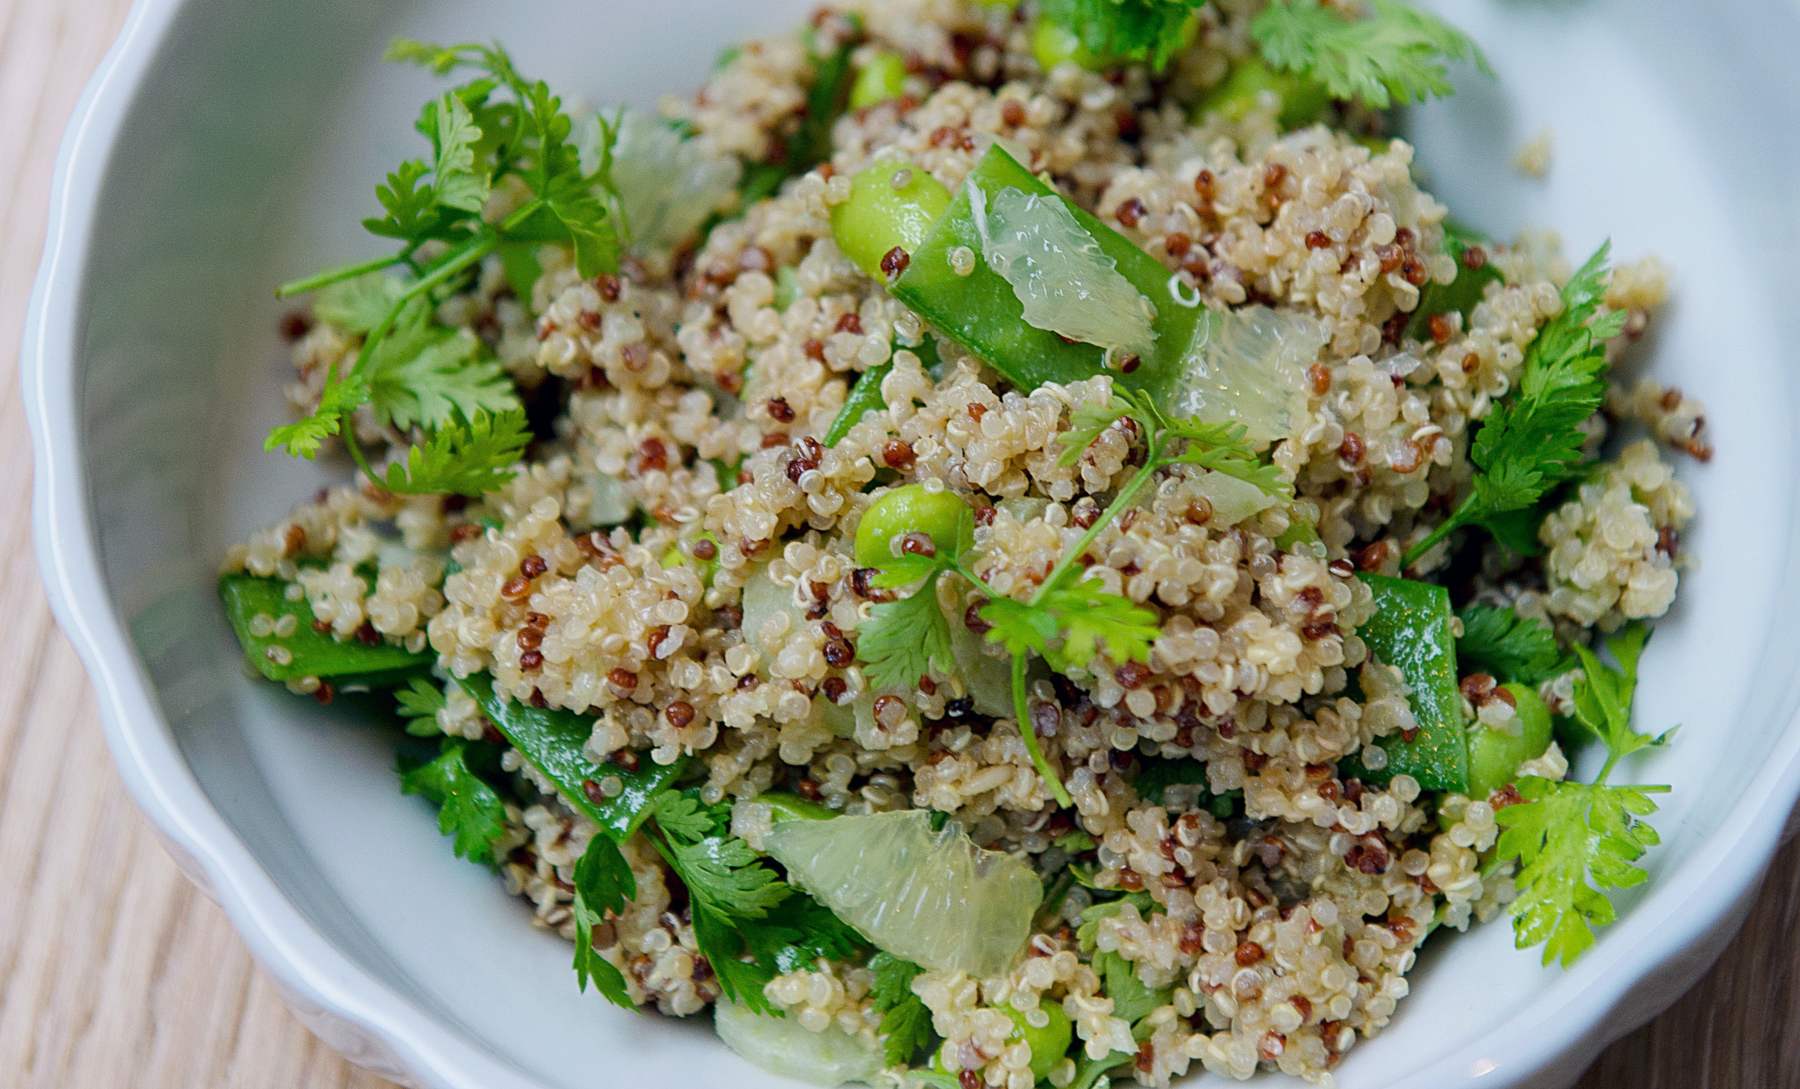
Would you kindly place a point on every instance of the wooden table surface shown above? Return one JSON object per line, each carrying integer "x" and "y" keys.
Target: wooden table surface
{"x": 115, "y": 972}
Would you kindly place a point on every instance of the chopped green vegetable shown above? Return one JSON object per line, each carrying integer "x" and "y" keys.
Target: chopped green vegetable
{"x": 1397, "y": 54}
{"x": 469, "y": 810}
{"x": 1495, "y": 755}
{"x": 1048, "y": 1042}
{"x": 1053, "y": 45}
{"x": 1575, "y": 841}
{"x": 864, "y": 397}
{"x": 1303, "y": 101}
{"x": 1500, "y": 642}
{"x": 905, "y": 1020}
{"x": 306, "y": 652}
{"x": 892, "y": 204}
{"x": 881, "y": 79}
{"x": 1411, "y": 631}
{"x": 941, "y": 515}
{"x": 1533, "y": 440}
{"x": 1474, "y": 272}
{"x": 555, "y": 743}
{"x": 1104, "y": 33}
{"x": 981, "y": 312}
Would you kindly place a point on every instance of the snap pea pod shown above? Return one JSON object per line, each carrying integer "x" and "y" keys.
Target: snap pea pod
{"x": 980, "y": 311}
{"x": 864, "y": 398}
{"x": 1411, "y": 630}
{"x": 1460, "y": 295}
{"x": 308, "y": 653}
{"x": 555, "y": 743}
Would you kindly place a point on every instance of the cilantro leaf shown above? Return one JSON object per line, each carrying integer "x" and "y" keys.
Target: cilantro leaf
{"x": 410, "y": 203}
{"x": 420, "y": 701}
{"x": 604, "y": 883}
{"x": 468, "y": 808}
{"x": 466, "y": 459}
{"x": 361, "y": 304}
{"x": 683, "y": 817}
{"x": 455, "y": 182}
{"x": 906, "y": 639}
{"x": 905, "y": 1019}
{"x": 1149, "y": 31}
{"x": 1499, "y": 641}
{"x": 1070, "y": 625}
{"x": 1225, "y": 448}
{"x": 1533, "y": 441}
{"x": 728, "y": 878}
{"x": 1397, "y": 54}
{"x": 427, "y": 376}
{"x": 1087, "y": 423}
{"x": 1133, "y": 1000}
{"x": 1573, "y": 841}
{"x": 342, "y": 395}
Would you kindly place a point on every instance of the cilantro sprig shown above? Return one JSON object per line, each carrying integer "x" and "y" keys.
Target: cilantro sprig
{"x": 1509, "y": 646}
{"x": 1068, "y": 621}
{"x": 1395, "y": 54}
{"x": 409, "y": 373}
{"x": 469, "y": 810}
{"x": 1532, "y": 442}
{"x": 748, "y": 922}
{"x": 1575, "y": 842}
{"x": 905, "y": 1019}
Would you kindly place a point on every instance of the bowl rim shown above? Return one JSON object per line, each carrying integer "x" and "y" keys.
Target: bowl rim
{"x": 362, "y": 1015}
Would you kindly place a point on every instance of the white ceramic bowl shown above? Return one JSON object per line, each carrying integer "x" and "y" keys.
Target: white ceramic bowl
{"x": 228, "y": 144}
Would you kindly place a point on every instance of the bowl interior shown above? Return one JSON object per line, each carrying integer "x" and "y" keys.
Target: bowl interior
{"x": 252, "y": 148}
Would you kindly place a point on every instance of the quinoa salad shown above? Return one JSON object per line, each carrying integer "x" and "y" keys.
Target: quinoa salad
{"x": 997, "y": 543}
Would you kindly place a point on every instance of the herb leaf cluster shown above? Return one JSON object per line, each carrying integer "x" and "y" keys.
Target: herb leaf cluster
{"x": 1397, "y": 54}
{"x": 409, "y": 373}
{"x": 1575, "y": 842}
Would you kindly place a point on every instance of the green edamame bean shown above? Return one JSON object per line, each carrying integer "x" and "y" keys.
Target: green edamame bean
{"x": 1053, "y": 44}
{"x": 940, "y": 515}
{"x": 1302, "y": 99}
{"x": 785, "y": 807}
{"x": 1495, "y": 755}
{"x": 880, "y": 80}
{"x": 892, "y": 203}
{"x": 1048, "y": 1044}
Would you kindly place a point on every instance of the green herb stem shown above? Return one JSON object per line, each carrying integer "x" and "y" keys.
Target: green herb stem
{"x": 1022, "y": 712}
{"x": 338, "y": 275}
{"x": 1443, "y": 530}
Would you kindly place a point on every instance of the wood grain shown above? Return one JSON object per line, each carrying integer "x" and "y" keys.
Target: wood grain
{"x": 115, "y": 972}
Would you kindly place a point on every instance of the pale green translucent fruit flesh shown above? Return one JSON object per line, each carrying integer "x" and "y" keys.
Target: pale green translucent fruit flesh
{"x": 782, "y": 1045}
{"x": 1066, "y": 283}
{"x": 1248, "y": 366}
{"x": 932, "y": 897}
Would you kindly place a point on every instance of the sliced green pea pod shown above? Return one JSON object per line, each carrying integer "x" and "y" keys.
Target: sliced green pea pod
{"x": 1303, "y": 101}
{"x": 864, "y": 397}
{"x": 881, "y": 216}
{"x": 981, "y": 312}
{"x": 1495, "y": 755}
{"x": 1411, "y": 630}
{"x": 912, "y": 508}
{"x": 555, "y": 743}
{"x": 881, "y": 79}
{"x": 791, "y": 807}
{"x": 310, "y": 653}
